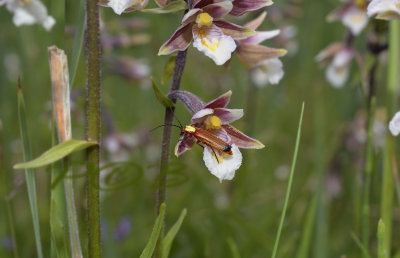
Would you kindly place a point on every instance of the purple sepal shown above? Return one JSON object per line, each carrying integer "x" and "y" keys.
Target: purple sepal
{"x": 191, "y": 101}
{"x": 220, "y": 102}
{"x": 241, "y": 140}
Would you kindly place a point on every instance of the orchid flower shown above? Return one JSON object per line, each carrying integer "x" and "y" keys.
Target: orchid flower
{"x": 120, "y": 6}
{"x": 263, "y": 62}
{"x": 384, "y": 9}
{"x": 353, "y": 15}
{"x": 29, "y": 12}
{"x": 210, "y": 34}
{"x": 216, "y": 118}
{"x": 339, "y": 59}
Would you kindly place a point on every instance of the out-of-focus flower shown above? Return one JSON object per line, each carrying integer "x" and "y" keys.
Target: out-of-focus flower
{"x": 216, "y": 119}
{"x": 353, "y": 15}
{"x": 287, "y": 39}
{"x": 384, "y": 9}
{"x": 394, "y": 125}
{"x": 338, "y": 56}
{"x": 29, "y": 12}
{"x": 210, "y": 34}
{"x": 263, "y": 61}
{"x": 120, "y": 6}
{"x": 129, "y": 68}
{"x": 12, "y": 65}
{"x": 123, "y": 229}
{"x": 122, "y": 40}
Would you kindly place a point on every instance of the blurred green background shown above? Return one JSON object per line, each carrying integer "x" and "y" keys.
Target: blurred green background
{"x": 244, "y": 212}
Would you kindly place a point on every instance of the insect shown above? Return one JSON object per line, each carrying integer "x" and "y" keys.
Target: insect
{"x": 205, "y": 137}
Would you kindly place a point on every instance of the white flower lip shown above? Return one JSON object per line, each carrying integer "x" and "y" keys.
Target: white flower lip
{"x": 394, "y": 125}
{"x": 384, "y": 9}
{"x": 224, "y": 170}
{"x": 213, "y": 43}
{"x": 268, "y": 72}
{"x": 355, "y": 19}
{"x": 33, "y": 12}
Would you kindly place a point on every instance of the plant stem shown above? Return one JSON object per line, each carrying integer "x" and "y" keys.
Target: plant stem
{"x": 387, "y": 183}
{"x": 166, "y": 139}
{"x": 93, "y": 118}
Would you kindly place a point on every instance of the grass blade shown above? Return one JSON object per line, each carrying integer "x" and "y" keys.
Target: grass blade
{"x": 169, "y": 238}
{"x": 382, "y": 253}
{"x": 288, "y": 189}
{"x": 233, "y": 247}
{"x": 364, "y": 250}
{"x": 78, "y": 41}
{"x": 151, "y": 244}
{"x": 29, "y": 173}
{"x": 308, "y": 230}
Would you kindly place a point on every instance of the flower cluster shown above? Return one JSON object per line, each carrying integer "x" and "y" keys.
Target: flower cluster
{"x": 215, "y": 118}
{"x": 204, "y": 24}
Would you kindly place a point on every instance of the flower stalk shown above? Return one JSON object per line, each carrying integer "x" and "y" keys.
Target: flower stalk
{"x": 93, "y": 118}
{"x": 166, "y": 139}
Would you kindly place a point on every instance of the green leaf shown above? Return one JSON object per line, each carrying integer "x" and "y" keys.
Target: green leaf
{"x": 164, "y": 100}
{"x": 151, "y": 244}
{"x": 289, "y": 187}
{"x": 29, "y": 173}
{"x": 173, "y": 7}
{"x": 382, "y": 253}
{"x": 169, "y": 238}
{"x": 56, "y": 153}
{"x": 169, "y": 69}
{"x": 234, "y": 248}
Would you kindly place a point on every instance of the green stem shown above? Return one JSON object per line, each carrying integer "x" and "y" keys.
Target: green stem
{"x": 93, "y": 125}
{"x": 387, "y": 183}
{"x": 289, "y": 187}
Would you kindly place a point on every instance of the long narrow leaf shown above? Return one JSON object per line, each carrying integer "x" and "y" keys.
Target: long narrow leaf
{"x": 287, "y": 195}
{"x": 78, "y": 41}
{"x": 169, "y": 238}
{"x": 56, "y": 153}
{"x": 151, "y": 244}
{"x": 382, "y": 252}
{"x": 29, "y": 173}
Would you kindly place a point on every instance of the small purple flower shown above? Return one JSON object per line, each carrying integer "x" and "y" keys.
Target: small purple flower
{"x": 353, "y": 15}
{"x": 216, "y": 118}
{"x": 123, "y": 229}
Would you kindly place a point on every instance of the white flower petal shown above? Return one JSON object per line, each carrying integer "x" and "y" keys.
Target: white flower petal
{"x": 337, "y": 76}
{"x": 225, "y": 170}
{"x": 394, "y": 125}
{"x": 384, "y": 9}
{"x": 30, "y": 12}
{"x": 119, "y": 6}
{"x": 355, "y": 19}
{"x": 213, "y": 43}
{"x": 268, "y": 72}
{"x": 343, "y": 57}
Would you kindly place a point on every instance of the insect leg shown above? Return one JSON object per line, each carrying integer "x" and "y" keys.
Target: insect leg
{"x": 215, "y": 154}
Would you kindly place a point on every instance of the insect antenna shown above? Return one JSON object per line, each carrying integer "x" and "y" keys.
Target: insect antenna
{"x": 173, "y": 113}
{"x": 164, "y": 125}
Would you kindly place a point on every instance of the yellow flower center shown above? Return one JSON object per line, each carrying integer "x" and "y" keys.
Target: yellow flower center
{"x": 26, "y": 2}
{"x": 213, "y": 122}
{"x": 204, "y": 19}
{"x": 359, "y": 3}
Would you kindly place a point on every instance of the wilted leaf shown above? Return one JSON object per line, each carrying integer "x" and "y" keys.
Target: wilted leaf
{"x": 56, "y": 153}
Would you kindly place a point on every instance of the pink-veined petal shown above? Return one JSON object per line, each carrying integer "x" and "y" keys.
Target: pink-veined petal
{"x": 254, "y": 24}
{"x": 220, "y": 102}
{"x": 233, "y": 30}
{"x": 222, "y": 134}
{"x": 242, "y": 140}
{"x": 213, "y": 43}
{"x": 200, "y": 115}
{"x": 260, "y": 36}
{"x": 190, "y": 16}
{"x": 228, "y": 115}
{"x": 218, "y": 10}
{"x": 185, "y": 143}
{"x": 203, "y": 3}
{"x": 251, "y": 55}
{"x": 180, "y": 40}
{"x": 242, "y": 6}
{"x": 338, "y": 13}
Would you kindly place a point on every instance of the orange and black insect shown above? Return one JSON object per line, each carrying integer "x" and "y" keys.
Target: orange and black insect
{"x": 205, "y": 137}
